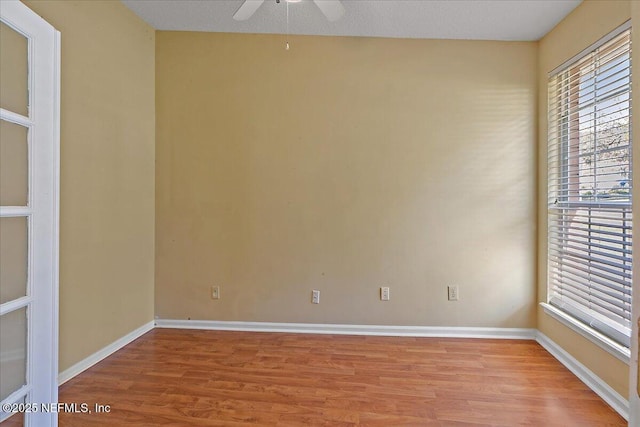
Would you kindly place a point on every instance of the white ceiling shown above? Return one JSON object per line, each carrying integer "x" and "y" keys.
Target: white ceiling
{"x": 432, "y": 19}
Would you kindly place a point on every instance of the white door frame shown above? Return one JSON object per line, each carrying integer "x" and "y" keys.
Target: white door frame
{"x": 42, "y": 211}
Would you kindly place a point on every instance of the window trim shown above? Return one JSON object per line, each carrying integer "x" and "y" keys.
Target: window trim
{"x": 619, "y": 351}
{"x": 577, "y": 323}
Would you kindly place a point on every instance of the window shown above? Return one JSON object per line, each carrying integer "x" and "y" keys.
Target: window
{"x": 589, "y": 194}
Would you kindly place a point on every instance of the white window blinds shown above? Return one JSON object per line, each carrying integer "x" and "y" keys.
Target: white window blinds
{"x": 589, "y": 194}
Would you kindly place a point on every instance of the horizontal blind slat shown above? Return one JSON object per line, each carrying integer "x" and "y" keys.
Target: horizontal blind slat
{"x": 623, "y": 297}
{"x": 555, "y": 239}
{"x": 594, "y": 303}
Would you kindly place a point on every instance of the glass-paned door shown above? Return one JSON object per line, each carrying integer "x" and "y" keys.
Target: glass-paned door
{"x": 29, "y": 147}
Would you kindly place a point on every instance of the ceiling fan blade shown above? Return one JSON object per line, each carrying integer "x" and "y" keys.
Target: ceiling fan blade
{"x": 332, "y": 9}
{"x": 247, "y": 9}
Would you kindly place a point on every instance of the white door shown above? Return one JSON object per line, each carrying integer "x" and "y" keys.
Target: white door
{"x": 29, "y": 180}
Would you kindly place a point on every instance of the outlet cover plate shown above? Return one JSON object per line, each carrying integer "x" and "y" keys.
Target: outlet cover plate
{"x": 453, "y": 293}
{"x": 315, "y": 296}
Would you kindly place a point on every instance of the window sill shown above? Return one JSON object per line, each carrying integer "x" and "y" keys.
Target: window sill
{"x": 620, "y": 352}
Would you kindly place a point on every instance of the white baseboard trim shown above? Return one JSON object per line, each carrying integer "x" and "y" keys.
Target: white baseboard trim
{"x": 380, "y": 330}
{"x": 595, "y": 383}
{"x": 96, "y": 357}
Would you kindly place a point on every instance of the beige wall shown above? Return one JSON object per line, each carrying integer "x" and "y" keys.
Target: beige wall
{"x": 107, "y": 173}
{"x": 343, "y": 165}
{"x": 13, "y": 70}
{"x": 585, "y": 25}
{"x": 13, "y": 173}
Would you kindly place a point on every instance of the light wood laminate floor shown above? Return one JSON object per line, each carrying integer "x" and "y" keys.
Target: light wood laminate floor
{"x": 172, "y": 377}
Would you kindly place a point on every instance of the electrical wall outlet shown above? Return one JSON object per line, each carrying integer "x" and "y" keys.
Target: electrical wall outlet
{"x": 453, "y": 293}
{"x": 315, "y": 296}
{"x": 215, "y": 292}
{"x": 384, "y": 293}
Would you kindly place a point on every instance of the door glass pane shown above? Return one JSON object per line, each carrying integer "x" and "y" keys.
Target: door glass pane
{"x": 13, "y": 351}
{"x": 13, "y": 71}
{"x": 13, "y": 258}
{"x": 14, "y": 164}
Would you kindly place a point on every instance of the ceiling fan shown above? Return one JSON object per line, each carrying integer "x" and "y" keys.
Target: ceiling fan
{"x": 332, "y": 9}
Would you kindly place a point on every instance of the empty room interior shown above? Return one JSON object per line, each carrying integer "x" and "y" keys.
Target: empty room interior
{"x": 318, "y": 213}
